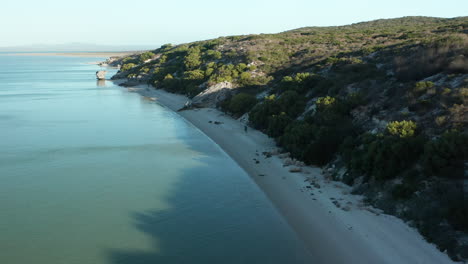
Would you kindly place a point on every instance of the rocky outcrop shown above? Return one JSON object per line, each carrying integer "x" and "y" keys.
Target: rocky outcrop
{"x": 113, "y": 61}
{"x": 101, "y": 75}
{"x": 213, "y": 95}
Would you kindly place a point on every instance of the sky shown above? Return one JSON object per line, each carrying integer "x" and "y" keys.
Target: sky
{"x": 156, "y": 22}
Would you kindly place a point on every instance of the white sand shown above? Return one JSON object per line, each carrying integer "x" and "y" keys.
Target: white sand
{"x": 333, "y": 235}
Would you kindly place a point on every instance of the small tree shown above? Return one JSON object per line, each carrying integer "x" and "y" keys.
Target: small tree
{"x": 193, "y": 59}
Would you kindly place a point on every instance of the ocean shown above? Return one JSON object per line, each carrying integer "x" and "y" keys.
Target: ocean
{"x": 92, "y": 173}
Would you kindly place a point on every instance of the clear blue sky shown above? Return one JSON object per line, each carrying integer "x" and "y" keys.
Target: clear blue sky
{"x": 155, "y": 22}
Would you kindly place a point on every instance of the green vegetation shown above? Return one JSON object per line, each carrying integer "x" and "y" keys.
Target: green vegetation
{"x": 146, "y": 56}
{"x": 402, "y": 129}
{"x": 127, "y": 66}
{"x": 240, "y": 103}
{"x": 387, "y": 98}
{"x": 446, "y": 155}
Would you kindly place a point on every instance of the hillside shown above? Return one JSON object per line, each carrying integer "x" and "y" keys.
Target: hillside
{"x": 380, "y": 105}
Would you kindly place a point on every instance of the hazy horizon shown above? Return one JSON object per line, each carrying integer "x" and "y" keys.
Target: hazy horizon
{"x": 149, "y": 24}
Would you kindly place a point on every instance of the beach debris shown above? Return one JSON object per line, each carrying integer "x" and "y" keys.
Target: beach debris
{"x": 217, "y": 122}
{"x": 372, "y": 210}
{"x": 101, "y": 75}
{"x": 295, "y": 170}
{"x": 267, "y": 154}
{"x": 275, "y": 151}
{"x": 287, "y": 162}
{"x": 337, "y": 204}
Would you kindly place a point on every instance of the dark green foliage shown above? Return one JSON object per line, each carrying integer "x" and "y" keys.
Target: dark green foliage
{"x": 277, "y": 124}
{"x": 193, "y": 59}
{"x": 409, "y": 185}
{"x": 325, "y": 131}
{"x": 289, "y": 104}
{"x": 385, "y": 157}
{"x": 296, "y": 137}
{"x": 213, "y": 55}
{"x": 446, "y": 155}
{"x": 241, "y": 103}
{"x": 260, "y": 113}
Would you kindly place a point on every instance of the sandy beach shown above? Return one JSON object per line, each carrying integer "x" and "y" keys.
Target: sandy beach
{"x": 359, "y": 234}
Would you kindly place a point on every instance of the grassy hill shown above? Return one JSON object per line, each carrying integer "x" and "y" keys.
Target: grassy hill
{"x": 383, "y": 105}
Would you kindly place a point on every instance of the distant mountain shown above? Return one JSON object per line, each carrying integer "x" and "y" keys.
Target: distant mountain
{"x": 73, "y": 47}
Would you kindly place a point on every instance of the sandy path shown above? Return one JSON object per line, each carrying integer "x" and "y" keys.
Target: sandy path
{"x": 333, "y": 235}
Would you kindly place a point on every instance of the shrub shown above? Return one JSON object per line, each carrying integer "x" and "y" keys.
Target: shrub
{"x": 402, "y": 128}
{"x": 422, "y": 87}
{"x": 213, "y": 55}
{"x": 194, "y": 75}
{"x": 146, "y": 56}
{"x": 127, "y": 66}
{"x": 193, "y": 59}
{"x": 277, "y": 124}
{"x": 446, "y": 155}
{"x": 385, "y": 157}
{"x": 296, "y": 137}
{"x": 325, "y": 102}
{"x": 241, "y": 103}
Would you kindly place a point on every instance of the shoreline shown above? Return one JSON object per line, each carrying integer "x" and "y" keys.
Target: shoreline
{"x": 306, "y": 200}
{"x": 74, "y": 54}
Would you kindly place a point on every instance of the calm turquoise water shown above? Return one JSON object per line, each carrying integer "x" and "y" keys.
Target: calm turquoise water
{"x": 90, "y": 173}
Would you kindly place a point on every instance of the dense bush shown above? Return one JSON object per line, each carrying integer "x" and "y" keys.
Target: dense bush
{"x": 127, "y": 66}
{"x": 241, "y": 103}
{"x": 386, "y": 156}
{"x": 446, "y": 155}
{"x": 273, "y": 114}
{"x": 193, "y": 59}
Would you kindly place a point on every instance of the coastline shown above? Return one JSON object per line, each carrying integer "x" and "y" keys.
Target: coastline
{"x": 73, "y": 54}
{"x": 333, "y": 235}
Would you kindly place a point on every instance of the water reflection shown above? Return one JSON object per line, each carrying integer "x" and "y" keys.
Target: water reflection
{"x": 101, "y": 83}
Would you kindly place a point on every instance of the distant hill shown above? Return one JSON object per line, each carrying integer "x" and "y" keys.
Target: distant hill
{"x": 73, "y": 47}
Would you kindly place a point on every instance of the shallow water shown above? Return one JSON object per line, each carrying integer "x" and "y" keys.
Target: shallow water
{"x": 90, "y": 173}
